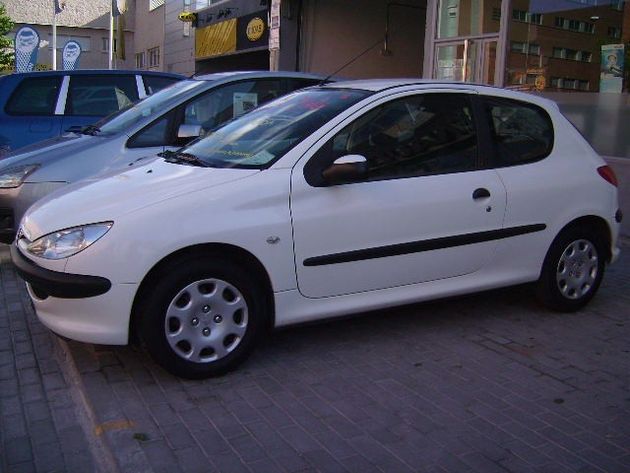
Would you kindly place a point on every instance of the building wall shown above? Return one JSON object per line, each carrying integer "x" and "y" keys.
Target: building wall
{"x": 179, "y": 41}
{"x": 334, "y": 32}
{"x": 149, "y": 33}
{"x": 548, "y": 36}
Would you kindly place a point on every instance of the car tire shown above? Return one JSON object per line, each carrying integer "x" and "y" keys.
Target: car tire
{"x": 202, "y": 317}
{"x": 572, "y": 271}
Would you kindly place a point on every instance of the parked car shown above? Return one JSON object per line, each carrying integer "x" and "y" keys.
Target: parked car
{"x": 35, "y": 106}
{"x": 165, "y": 121}
{"x": 332, "y": 200}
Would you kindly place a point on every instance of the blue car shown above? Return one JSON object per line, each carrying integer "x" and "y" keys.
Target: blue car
{"x": 35, "y": 106}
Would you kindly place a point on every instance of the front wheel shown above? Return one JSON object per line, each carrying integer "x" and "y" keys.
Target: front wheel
{"x": 572, "y": 271}
{"x": 202, "y": 318}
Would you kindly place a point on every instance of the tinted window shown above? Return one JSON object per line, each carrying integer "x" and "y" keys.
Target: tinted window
{"x": 154, "y": 83}
{"x": 151, "y": 106}
{"x": 521, "y": 132}
{"x": 230, "y": 101}
{"x": 421, "y": 134}
{"x": 100, "y": 95}
{"x": 156, "y": 134}
{"x": 264, "y": 135}
{"x": 35, "y": 96}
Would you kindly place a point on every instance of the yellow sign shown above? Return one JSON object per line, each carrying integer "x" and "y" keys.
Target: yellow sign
{"x": 255, "y": 29}
{"x": 216, "y": 39}
{"x": 540, "y": 82}
{"x": 188, "y": 17}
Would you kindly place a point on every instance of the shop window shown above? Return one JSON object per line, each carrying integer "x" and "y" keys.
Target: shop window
{"x": 140, "y": 60}
{"x": 556, "y": 82}
{"x": 614, "y": 32}
{"x": 154, "y": 57}
{"x": 572, "y": 54}
{"x": 519, "y": 15}
{"x": 105, "y": 44}
{"x": 473, "y": 17}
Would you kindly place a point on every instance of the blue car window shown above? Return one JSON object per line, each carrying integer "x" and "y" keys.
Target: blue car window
{"x": 34, "y": 96}
{"x": 100, "y": 95}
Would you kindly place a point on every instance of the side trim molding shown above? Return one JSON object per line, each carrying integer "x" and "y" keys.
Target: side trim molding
{"x": 422, "y": 245}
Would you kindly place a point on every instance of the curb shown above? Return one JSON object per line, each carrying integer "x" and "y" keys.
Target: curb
{"x": 104, "y": 460}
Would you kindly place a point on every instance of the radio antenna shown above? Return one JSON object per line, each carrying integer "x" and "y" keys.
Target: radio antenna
{"x": 352, "y": 60}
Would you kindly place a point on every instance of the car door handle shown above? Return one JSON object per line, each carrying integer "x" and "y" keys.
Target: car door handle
{"x": 481, "y": 193}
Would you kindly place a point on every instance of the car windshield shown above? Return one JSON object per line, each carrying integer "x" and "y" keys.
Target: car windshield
{"x": 159, "y": 102}
{"x": 260, "y": 137}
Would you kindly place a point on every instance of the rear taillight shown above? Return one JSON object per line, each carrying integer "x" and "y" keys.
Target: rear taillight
{"x": 607, "y": 173}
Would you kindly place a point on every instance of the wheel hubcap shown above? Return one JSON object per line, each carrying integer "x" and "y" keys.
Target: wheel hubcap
{"x": 577, "y": 269}
{"x": 206, "y": 320}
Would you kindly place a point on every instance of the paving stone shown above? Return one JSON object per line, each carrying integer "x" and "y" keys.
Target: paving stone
{"x": 486, "y": 383}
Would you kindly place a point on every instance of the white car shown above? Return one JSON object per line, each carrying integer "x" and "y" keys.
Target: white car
{"x": 329, "y": 201}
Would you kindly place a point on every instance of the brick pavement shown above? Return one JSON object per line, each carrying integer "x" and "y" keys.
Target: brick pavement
{"x": 39, "y": 428}
{"x": 487, "y": 383}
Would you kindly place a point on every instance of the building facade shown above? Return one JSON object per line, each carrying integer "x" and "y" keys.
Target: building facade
{"x": 88, "y": 24}
{"x": 550, "y": 45}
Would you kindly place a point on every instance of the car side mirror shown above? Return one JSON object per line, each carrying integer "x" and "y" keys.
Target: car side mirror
{"x": 348, "y": 168}
{"x": 188, "y": 131}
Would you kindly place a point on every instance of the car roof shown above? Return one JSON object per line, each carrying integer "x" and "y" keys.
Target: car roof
{"x": 380, "y": 85}
{"x": 82, "y": 72}
{"x": 257, "y": 75}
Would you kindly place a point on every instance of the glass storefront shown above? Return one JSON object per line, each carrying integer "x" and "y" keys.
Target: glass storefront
{"x": 566, "y": 45}
{"x": 550, "y": 45}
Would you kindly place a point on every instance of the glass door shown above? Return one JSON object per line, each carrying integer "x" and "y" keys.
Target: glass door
{"x": 469, "y": 60}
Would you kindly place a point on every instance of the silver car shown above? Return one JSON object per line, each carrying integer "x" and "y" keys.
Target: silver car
{"x": 165, "y": 121}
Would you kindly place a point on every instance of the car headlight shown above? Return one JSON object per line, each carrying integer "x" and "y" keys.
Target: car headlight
{"x": 68, "y": 242}
{"x": 14, "y": 177}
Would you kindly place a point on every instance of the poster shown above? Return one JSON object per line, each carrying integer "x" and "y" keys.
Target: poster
{"x": 612, "y": 67}
{"x": 274, "y": 26}
{"x": 244, "y": 102}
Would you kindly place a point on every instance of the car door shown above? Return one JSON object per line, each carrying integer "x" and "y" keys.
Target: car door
{"x": 32, "y": 112}
{"x": 91, "y": 97}
{"x": 421, "y": 208}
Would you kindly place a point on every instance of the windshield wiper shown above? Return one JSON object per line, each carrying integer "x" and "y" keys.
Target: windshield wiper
{"x": 90, "y": 130}
{"x": 186, "y": 158}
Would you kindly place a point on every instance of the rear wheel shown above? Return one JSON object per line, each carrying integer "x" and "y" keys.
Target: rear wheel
{"x": 203, "y": 317}
{"x": 572, "y": 271}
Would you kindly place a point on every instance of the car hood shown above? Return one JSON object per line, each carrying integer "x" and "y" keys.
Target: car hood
{"x": 119, "y": 193}
{"x": 50, "y": 150}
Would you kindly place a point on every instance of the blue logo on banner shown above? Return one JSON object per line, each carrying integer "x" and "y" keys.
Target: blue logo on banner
{"x": 26, "y": 49}
{"x": 71, "y": 55}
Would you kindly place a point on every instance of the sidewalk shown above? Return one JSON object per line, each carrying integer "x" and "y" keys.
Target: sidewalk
{"x": 487, "y": 383}
{"x": 39, "y": 426}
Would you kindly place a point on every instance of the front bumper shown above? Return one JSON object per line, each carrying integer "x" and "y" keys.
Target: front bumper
{"x": 83, "y": 308}
{"x": 45, "y": 282}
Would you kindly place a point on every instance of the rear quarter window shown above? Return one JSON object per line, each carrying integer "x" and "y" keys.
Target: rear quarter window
{"x": 152, "y": 84}
{"x": 34, "y": 96}
{"x": 520, "y": 132}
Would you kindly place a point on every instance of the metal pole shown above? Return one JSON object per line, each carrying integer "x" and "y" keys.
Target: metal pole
{"x": 54, "y": 38}
{"x": 111, "y": 38}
